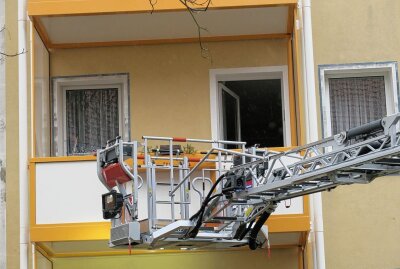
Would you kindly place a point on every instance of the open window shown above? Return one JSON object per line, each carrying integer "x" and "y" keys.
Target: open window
{"x": 251, "y": 105}
{"x": 88, "y": 111}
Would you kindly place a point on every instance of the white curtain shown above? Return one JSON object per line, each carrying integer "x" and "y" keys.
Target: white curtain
{"x": 91, "y": 119}
{"x": 355, "y": 101}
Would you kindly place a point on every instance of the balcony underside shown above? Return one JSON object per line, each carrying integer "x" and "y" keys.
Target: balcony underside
{"x": 104, "y": 24}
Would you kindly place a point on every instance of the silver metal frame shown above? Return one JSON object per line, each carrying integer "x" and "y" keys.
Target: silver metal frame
{"x": 323, "y": 165}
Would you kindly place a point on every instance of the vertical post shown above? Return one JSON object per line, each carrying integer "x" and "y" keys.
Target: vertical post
{"x": 135, "y": 181}
{"x": 186, "y": 186}
{"x": 254, "y": 152}
{"x": 171, "y": 180}
{"x": 219, "y": 161}
{"x": 243, "y": 151}
{"x": 154, "y": 194}
{"x": 149, "y": 175}
{"x": 182, "y": 192}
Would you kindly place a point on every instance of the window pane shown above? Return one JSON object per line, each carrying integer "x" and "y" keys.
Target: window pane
{"x": 261, "y": 119}
{"x": 229, "y": 106}
{"x": 91, "y": 119}
{"x": 355, "y": 101}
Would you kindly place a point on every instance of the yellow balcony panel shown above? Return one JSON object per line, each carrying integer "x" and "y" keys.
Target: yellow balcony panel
{"x": 65, "y": 249}
{"x": 69, "y": 7}
{"x": 101, "y": 230}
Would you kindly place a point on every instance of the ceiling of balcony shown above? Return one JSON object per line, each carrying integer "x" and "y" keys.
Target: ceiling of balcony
{"x": 163, "y": 27}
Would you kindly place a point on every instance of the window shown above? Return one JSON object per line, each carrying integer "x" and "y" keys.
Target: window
{"x": 356, "y": 94}
{"x": 252, "y": 112}
{"x": 88, "y": 111}
{"x": 251, "y": 105}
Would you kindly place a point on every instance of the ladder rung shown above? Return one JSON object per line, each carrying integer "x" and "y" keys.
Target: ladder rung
{"x": 169, "y": 202}
{"x": 225, "y": 218}
{"x": 165, "y": 183}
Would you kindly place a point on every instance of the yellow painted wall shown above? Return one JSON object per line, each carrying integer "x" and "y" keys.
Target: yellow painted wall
{"x": 12, "y": 157}
{"x": 362, "y": 224}
{"x": 280, "y": 258}
{"x": 170, "y": 86}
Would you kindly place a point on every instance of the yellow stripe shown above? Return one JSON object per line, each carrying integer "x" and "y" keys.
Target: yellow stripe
{"x": 86, "y": 7}
{"x": 63, "y": 159}
{"x": 70, "y": 232}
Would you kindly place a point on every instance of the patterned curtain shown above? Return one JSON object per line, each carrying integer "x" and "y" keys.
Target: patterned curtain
{"x": 355, "y": 101}
{"x": 91, "y": 119}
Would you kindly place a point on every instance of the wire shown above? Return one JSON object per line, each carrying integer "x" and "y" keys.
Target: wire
{"x": 199, "y": 215}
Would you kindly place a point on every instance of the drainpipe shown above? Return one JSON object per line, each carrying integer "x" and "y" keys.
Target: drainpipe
{"x": 317, "y": 227}
{"x": 23, "y": 133}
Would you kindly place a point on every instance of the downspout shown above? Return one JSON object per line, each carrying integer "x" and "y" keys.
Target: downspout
{"x": 23, "y": 132}
{"x": 317, "y": 227}
{"x": 2, "y": 143}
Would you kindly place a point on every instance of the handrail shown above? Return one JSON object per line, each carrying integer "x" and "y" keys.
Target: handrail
{"x": 206, "y": 156}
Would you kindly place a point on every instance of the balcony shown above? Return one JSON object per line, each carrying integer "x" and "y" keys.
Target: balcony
{"x": 159, "y": 51}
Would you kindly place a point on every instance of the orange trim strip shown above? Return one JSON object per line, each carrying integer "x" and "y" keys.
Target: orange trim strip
{"x": 179, "y": 139}
{"x": 167, "y": 41}
{"x": 86, "y": 7}
{"x": 32, "y": 192}
{"x": 63, "y": 159}
{"x": 300, "y": 258}
{"x": 290, "y": 22}
{"x": 292, "y": 99}
{"x": 37, "y": 23}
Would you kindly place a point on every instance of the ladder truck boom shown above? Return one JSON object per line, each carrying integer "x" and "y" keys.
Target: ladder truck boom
{"x": 250, "y": 183}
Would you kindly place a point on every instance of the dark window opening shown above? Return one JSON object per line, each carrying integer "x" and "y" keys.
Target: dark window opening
{"x": 260, "y": 114}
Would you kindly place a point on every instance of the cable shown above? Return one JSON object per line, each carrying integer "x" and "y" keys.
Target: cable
{"x": 257, "y": 227}
{"x": 246, "y": 231}
{"x": 199, "y": 215}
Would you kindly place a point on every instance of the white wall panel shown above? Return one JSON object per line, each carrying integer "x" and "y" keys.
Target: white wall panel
{"x": 70, "y": 192}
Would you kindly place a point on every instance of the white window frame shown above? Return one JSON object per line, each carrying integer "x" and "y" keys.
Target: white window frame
{"x": 249, "y": 73}
{"x": 221, "y": 88}
{"x": 60, "y": 85}
{"x": 386, "y": 69}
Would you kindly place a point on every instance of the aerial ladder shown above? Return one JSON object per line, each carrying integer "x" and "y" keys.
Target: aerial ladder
{"x": 249, "y": 184}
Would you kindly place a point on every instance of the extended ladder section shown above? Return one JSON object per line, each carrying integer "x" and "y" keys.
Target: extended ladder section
{"x": 236, "y": 189}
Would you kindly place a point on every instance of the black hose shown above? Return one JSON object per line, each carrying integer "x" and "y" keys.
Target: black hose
{"x": 368, "y": 128}
{"x": 253, "y": 245}
{"x": 246, "y": 231}
{"x": 199, "y": 215}
{"x": 207, "y": 199}
{"x": 192, "y": 233}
